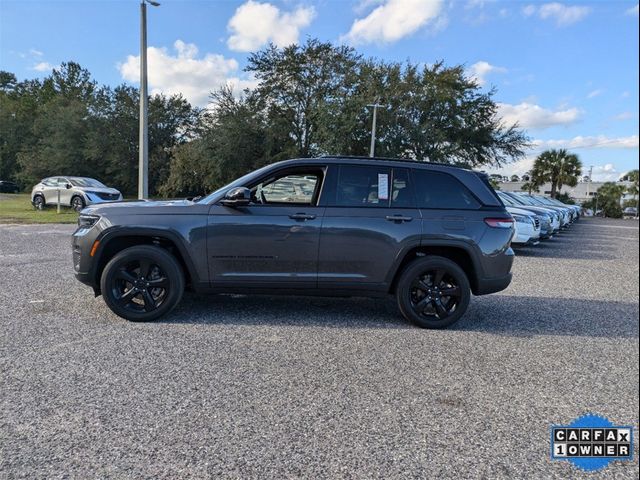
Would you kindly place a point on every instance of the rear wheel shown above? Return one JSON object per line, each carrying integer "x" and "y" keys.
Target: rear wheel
{"x": 142, "y": 283}
{"x": 433, "y": 292}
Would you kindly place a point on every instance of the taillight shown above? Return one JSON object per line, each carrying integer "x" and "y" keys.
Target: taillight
{"x": 499, "y": 222}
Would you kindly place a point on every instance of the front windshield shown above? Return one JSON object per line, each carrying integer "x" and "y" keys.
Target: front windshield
{"x": 86, "y": 182}
{"x": 517, "y": 199}
{"x": 506, "y": 199}
{"x": 535, "y": 201}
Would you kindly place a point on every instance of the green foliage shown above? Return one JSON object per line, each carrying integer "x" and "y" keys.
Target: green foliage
{"x": 608, "y": 200}
{"x": 311, "y": 99}
{"x": 557, "y": 167}
{"x": 68, "y": 125}
{"x": 565, "y": 198}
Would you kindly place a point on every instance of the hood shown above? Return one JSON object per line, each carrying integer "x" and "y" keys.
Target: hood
{"x": 146, "y": 207}
{"x": 520, "y": 211}
{"x": 97, "y": 189}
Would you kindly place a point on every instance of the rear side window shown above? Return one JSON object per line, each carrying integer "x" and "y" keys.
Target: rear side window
{"x": 363, "y": 186}
{"x": 441, "y": 190}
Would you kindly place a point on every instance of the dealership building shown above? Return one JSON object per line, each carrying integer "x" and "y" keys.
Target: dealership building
{"x": 582, "y": 192}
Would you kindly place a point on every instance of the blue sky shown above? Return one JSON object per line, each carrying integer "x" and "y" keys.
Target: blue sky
{"x": 567, "y": 72}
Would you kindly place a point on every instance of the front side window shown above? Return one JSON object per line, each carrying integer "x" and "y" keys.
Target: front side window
{"x": 294, "y": 188}
{"x": 442, "y": 191}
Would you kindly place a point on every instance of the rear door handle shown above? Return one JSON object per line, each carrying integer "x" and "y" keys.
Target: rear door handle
{"x": 398, "y": 218}
{"x": 301, "y": 216}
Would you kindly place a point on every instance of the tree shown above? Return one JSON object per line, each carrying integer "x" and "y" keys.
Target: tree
{"x": 299, "y": 85}
{"x": 317, "y": 94}
{"x": 515, "y": 178}
{"x": 609, "y": 196}
{"x": 557, "y": 167}
{"x": 233, "y": 141}
{"x": 632, "y": 177}
{"x": 565, "y": 198}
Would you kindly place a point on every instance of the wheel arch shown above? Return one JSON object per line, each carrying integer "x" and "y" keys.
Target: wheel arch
{"x": 112, "y": 242}
{"x": 77, "y": 194}
{"x": 460, "y": 254}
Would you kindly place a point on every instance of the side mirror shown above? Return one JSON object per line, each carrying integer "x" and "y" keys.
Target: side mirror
{"x": 237, "y": 197}
{"x": 68, "y": 186}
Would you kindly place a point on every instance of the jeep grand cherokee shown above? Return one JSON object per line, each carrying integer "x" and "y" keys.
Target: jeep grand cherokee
{"x": 429, "y": 234}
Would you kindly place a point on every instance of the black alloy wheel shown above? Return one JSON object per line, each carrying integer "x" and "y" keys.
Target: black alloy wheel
{"x": 142, "y": 283}
{"x": 433, "y": 292}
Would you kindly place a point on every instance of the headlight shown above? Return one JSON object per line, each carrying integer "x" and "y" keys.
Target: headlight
{"x": 87, "y": 221}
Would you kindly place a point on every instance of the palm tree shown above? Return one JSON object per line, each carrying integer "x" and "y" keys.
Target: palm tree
{"x": 558, "y": 167}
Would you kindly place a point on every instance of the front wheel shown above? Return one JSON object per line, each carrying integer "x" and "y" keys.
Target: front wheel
{"x": 38, "y": 202}
{"x": 433, "y": 292}
{"x": 142, "y": 283}
{"x": 77, "y": 203}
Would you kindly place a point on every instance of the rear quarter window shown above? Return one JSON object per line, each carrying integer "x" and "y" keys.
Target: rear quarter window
{"x": 438, "y": 190}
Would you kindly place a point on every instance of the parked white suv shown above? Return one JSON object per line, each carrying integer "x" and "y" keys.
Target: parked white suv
{"x": 527, "y": 227}
{"x": 76, "y": 192}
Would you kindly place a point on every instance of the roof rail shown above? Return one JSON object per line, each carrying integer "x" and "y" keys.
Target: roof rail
{"x": 391, "y": 159}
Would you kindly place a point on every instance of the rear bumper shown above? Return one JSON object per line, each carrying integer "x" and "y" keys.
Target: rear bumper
{"x": 493, "y": 285}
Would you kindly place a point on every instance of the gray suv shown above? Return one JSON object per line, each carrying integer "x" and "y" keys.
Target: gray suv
{"x": 429, "y": 234}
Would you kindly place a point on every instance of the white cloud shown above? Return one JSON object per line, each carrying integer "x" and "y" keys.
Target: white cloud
{"x": 530, "y": 115}
{"x": 597, "y": 141}
{"x": 254, "y": 24}
{"x": 623, "y": 116}
{"x": 43, "y": 67}
{"x": 185, "y": 73}
{"x": 633, "y": 11}
{"x": 35, "y": 53}
{"x": 562, "y": 14}
{"x": 394, "y": 20}
{"x": 479, "y": 70}
{"x": 594, "y": 93}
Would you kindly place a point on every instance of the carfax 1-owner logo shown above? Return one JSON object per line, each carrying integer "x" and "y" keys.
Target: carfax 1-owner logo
{"x": 591, "y": 442}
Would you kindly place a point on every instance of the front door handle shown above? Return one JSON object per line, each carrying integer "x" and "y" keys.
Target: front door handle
{"x": 301, "y": 216}
{"x": 398, "y": 218}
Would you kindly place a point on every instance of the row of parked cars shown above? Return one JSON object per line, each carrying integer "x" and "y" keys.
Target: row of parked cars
{"x": 537, "y": 217}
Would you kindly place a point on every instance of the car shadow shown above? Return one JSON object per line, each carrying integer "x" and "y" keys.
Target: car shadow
{"x": 497, "y": 314}
{"x": 569, "y": 244}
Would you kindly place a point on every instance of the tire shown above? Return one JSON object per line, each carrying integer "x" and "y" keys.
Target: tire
{"x": 422, "y": 299}
{"x": 78, "y": 203}
{"x": 127, "y": 283}
{"x": 38, "y": 202}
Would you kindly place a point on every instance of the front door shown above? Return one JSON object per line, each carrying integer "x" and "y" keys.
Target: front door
{"x": 370, "y": 222}
{"x": 274, "y": 240}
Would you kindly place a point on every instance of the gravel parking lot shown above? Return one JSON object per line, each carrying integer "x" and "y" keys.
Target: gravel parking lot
{"x": 274, "y": 387}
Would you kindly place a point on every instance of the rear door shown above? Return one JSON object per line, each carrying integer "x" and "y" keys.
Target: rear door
{"x": 369, "y": 222}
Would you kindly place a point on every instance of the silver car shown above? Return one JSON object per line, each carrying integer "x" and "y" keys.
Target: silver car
{"x": 76, "y": 192}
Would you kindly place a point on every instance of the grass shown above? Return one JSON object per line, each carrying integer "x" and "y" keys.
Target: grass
{"x": 17, "y": 208}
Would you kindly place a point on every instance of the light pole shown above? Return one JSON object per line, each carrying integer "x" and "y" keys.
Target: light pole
{"x": 143, "y": 159}
{"x": 372, "y": 148}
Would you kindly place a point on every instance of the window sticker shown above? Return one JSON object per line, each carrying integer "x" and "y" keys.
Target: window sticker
{"x": 383, "y": 186}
